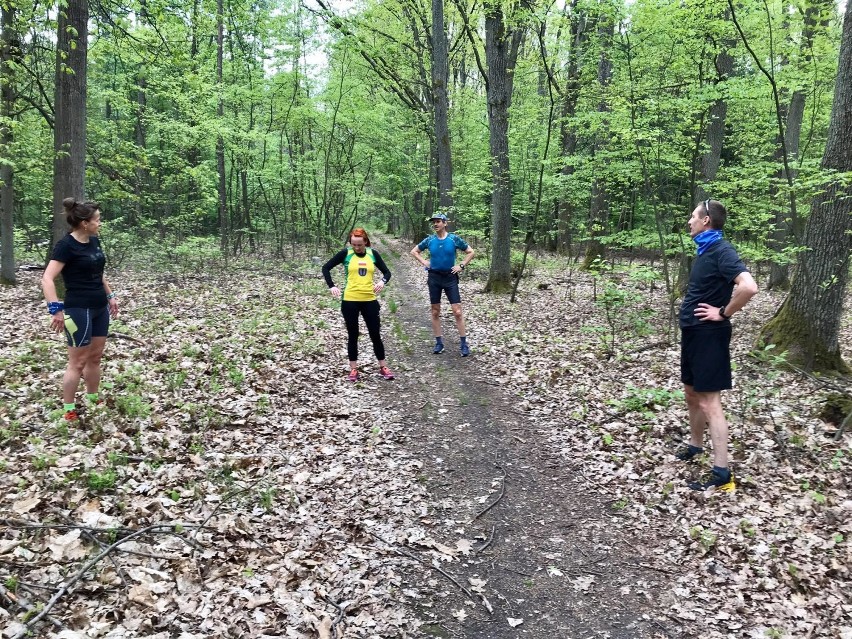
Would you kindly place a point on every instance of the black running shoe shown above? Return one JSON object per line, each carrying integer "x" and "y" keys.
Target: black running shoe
{"x": 689, "y": 452}
{"x": 717, "y": 481}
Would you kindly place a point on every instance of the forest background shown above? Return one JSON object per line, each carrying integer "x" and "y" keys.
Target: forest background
{"x": 579, "y": 134}
{"x": 584, "y": 128}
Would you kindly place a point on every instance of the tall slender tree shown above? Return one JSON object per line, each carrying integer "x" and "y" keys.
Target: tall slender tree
{"x": 808, "y": 323}
{"x": 9, "y": 47}
{"x": 441, "y": 106}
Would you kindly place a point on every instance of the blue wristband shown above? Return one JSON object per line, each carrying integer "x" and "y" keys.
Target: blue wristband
{"x": 54, "y": 307}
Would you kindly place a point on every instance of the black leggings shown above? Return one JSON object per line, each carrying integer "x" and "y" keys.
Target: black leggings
{"x": 370, "y": 311}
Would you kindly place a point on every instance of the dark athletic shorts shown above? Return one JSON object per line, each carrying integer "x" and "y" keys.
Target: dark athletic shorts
{"x": 443, "y": 281}
{"x": 82, "y": 324}
{"x": 705, "y": 358}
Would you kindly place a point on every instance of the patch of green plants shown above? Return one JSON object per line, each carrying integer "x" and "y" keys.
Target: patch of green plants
{"x": 100, "y": 482}
{"x": 132, "y": 406}
{"x": 646, "y": 399}
{"x": 43, "y": 462}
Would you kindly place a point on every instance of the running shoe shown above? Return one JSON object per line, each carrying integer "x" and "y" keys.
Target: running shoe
{"x": 464, "y": 349}
{"x": 353, "y": 375}
{"x": 385, "y": 372}
{"x": 72, "y": 416}
{"x": 716, "y": 480}
{"x": 689, "y": 452}
{"x": 439, "y": 348}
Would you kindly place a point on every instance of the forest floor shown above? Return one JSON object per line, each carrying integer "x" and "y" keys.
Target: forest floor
{"x": 234, "y": 484}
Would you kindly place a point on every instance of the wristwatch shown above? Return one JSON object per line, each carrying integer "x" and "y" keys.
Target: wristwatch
{"x": 461, "y": 266}
{"x": 722, "y": 313}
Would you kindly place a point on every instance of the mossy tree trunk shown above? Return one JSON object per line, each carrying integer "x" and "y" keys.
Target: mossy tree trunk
{"x": 808, "y": 323}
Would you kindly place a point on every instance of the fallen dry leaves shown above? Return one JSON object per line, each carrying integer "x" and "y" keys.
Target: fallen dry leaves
{"x": 277, "y": 495}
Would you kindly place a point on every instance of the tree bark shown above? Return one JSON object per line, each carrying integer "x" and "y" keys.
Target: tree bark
{"x": 9, "y": 48}
{"x": 69, "y": 135}
{"x": 564, "y": 208}
{"x": 220, "y": 141}
{"x": 786, "y": 228}
{"x": 501, "y": 53}
{"x": 441, "y": 106}
{"x": 808, "y": 323}
{"x": 599, "y": 204}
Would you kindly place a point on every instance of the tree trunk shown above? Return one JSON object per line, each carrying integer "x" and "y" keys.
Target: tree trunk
{"x": 9, "y": 47}
{"x": 501, "y": 53}
{"x": 69, "y": 134}
{"x": 599, "y": 204}
{"x": 564, "y": 208}
{"x": 441, "y": 106}
{"x": 808, "y": 323}
{"x": 785, "y": 223}
{"x": 220, "y": 142}
{"x": 141, "y": 182}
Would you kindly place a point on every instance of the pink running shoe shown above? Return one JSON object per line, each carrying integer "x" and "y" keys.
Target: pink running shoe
{"x": 385, "y": 372}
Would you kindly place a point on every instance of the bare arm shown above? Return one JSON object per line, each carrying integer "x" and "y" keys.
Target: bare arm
{"x": 417, "y": 256}
{"x": 54, "y": 268}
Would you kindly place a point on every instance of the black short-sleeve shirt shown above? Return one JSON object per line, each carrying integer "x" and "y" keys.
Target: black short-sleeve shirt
{"x": 711, "y": 281}
{"x": 83, "y": 273}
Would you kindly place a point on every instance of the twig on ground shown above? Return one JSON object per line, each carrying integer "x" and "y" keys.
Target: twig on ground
{"x": 843, "y": 426}
{"x": 494, "y": 503}
{"x": 17, "y": 600}
{"x": 337, "y": 619}
{"x": 404, "y": 553}
{"x": 487, "y": 542}
{"x": 155, "y": 528}
{"x": 650, "y": 567}
{"x": 127, "y": 337}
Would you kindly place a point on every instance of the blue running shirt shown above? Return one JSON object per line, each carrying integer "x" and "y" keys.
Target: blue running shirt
{"x": 442, "y": 253}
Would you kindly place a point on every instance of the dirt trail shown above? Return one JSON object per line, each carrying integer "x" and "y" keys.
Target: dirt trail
{"x": 552, "y": 554}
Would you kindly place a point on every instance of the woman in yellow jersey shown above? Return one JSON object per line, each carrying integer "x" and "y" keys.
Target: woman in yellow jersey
{"x": 359, "y": 296}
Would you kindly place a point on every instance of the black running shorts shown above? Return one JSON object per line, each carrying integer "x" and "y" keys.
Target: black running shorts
{"x": 705, "y": 358}
{"x": 443, "y": 281}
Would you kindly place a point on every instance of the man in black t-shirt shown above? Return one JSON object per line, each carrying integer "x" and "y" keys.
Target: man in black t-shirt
{"x": 719, "y": 286}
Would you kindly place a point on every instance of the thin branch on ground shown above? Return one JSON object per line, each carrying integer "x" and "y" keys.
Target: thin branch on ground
{"x": 495, "y": 502}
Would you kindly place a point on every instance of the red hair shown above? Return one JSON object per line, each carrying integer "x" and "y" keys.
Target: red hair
{"x": 359, "y": 232}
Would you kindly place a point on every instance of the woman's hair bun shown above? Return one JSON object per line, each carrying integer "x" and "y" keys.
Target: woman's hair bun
{"x": 69, "y": 202}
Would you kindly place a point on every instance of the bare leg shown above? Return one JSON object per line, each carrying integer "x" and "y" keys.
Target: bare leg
{"x": 436, "y": 320}
{"x": 457, "y": 313}
{"x": 697, "y": 418}
{"x": 77, "y": 358}
{"x": 92, "y": 368}
{"x": 711, "y": 406}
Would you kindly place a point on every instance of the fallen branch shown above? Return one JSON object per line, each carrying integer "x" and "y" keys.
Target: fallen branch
{"x": 339, "y": 617}
{"x": 487, "y": 542}
{"x": 494, "y": 503}
{"x": 17, "y": 600}
{"x": 843, "y": 426}
{"x": 115, "y": 335}
{"x": 166, "y": 528}
{"x": 404, "y": 553}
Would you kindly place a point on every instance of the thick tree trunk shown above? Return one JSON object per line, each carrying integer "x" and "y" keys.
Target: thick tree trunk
{"x": 9, "y": 47}
{"x": 501, "y": 53}
{"x": 441, "y": 106}
{"x": 69, "y": 139}
{"x": 808, "y": 323}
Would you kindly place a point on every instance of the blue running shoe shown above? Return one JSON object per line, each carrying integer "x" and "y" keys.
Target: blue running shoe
{"x": 439, "y": 348}
{"x": 464, "y": 349}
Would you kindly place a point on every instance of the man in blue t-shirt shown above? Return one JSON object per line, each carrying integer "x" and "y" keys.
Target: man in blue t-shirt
{"x": 705, "y": 356}
{"x": 444, "y": 276}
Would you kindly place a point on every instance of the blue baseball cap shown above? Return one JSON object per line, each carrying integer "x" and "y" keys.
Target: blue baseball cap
{"x": 438, "y": 216}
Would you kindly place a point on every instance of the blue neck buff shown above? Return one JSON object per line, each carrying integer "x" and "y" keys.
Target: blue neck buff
{"x": 707, "y": 239}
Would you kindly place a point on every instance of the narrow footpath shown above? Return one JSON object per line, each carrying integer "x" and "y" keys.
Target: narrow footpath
{"x": 550, "y": 558}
